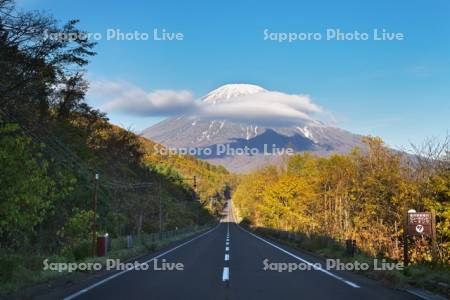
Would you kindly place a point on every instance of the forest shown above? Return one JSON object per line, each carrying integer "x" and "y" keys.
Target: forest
{"x": 361, "y": 196}
{"x": 52, "y": 145}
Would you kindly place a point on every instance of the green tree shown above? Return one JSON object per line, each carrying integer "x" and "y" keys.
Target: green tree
{"x": 27, "y": 192}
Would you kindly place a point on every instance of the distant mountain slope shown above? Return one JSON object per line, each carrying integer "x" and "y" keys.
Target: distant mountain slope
{"x": 197, "y": 133}
{"x": 212, "y": 181}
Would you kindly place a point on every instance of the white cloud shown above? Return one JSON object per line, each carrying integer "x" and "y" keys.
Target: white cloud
{"x": 130, "y": 99}
{"x": 266, "y": 108}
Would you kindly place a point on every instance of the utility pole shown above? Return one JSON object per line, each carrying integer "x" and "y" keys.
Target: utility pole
{"x": 94, "y": 221}
{"x": 160, "y": 208}
{"x": 434, "y": 247}
{"x": 194, "y": 181}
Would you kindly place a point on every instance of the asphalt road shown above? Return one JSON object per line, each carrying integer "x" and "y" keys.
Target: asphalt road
{"x": 227, "y": 262}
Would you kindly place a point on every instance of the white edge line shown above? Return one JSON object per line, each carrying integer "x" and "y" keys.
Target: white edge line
{"x": 305, "y": 261}
{"x": 226, "y": 274}
{"x": 420, "y": 295}
{"x": 125, "y": 271}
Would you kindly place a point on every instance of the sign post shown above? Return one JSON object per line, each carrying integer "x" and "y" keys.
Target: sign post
{"x": 419, "y": 224}
{"x": 405, "y": 240}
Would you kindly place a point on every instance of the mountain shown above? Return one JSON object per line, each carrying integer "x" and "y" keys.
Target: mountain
{"x": 209, "y": 139}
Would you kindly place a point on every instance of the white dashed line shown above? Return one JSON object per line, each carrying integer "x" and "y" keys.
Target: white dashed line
{"x": 226, "y": 274}
{"x": 226, "y": 270}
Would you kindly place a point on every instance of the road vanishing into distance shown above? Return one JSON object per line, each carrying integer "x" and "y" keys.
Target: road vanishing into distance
{"x": 227, "y": 262}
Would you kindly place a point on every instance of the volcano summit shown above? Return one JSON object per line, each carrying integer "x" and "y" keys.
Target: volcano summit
{"x": 246, "y": 116}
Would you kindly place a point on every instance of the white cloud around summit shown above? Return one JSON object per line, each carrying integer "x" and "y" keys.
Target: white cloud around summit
{"x": 264, "y": 108}
{"x": 268, "y": 108}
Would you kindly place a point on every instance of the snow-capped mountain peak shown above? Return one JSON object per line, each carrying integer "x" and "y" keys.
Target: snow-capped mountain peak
{"x": 229, "y": 91}
{"x": 185, "y": 132}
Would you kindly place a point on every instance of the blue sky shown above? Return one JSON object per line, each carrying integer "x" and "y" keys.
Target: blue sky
{"x": 399, "y": 90}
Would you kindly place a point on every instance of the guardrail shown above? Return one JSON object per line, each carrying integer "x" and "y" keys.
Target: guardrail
{"x": 150, "y": 239}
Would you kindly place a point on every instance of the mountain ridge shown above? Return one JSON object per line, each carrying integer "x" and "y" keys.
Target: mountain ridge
{"x": 195, "y": 132}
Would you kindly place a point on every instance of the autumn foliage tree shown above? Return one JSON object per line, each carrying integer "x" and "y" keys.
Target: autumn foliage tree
{"x": 362, "y": 196}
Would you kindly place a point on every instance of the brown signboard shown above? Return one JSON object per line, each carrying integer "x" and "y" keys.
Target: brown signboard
{"x": 420, "y": 223}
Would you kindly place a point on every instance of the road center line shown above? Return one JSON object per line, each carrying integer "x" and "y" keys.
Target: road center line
{"x": 226, "y": 274}
{"x": 226, "y": 270}
{"x": 354, "y": 285}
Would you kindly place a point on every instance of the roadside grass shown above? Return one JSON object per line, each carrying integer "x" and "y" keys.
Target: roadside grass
{"x": 19, "y": 272}
{"x": 430, "y": 276}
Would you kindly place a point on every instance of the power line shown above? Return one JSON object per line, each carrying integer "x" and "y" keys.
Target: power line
{"x": 58, "y": 148}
